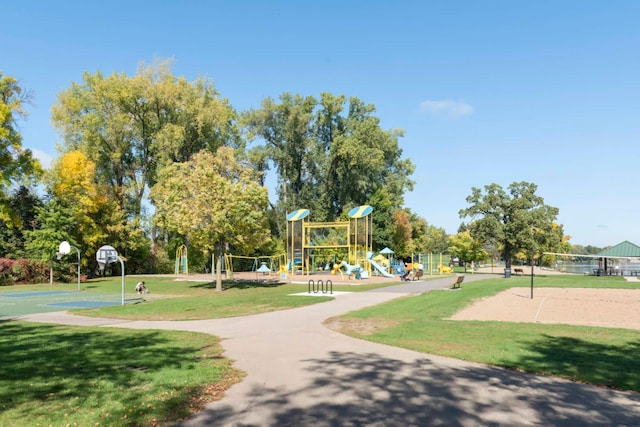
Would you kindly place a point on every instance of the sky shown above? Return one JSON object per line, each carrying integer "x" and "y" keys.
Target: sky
{"x": 486, "y": 92}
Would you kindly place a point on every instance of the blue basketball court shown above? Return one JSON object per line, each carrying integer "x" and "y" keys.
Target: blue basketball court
{"x": 13, "y": 304}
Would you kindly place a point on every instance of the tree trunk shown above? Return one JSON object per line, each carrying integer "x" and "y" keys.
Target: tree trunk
{"x": 506, "y": 254}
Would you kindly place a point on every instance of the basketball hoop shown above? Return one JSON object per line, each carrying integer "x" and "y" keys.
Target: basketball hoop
{"x": 106, "y": 255}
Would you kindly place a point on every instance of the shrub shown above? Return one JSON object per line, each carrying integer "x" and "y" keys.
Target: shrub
{"x": 22, "y": 271}
{"x": 6, "y": 268}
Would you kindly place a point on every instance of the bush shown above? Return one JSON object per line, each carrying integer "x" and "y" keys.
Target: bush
{"x": 22, "y": 271}
{"x": 6, "y": 268}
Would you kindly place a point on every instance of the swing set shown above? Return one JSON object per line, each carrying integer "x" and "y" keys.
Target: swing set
{"x": 269, "y": 266}
{"x": 182, "y": 260}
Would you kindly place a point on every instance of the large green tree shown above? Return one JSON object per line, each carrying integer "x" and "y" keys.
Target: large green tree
{"x": 16, "y": 163}
{"x": 215, "y": 201}
{"x": 131, "y": 126}
{"x": 515, "y": 220}
{"x": 286, "y": 129}
{"x": 329, "y": 154}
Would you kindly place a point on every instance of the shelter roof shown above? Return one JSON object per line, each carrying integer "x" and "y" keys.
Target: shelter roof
{"x": 624, "y": 249}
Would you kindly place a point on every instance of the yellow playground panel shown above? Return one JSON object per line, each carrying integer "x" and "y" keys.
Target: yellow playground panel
{"x": 354, "y": 236}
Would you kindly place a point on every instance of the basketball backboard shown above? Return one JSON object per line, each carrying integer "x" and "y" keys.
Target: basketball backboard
{"x": 106, "y": 255}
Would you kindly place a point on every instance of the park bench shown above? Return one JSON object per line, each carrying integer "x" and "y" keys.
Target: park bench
{"x": 457, "y": 283}
{"x": 418, "y": 275}
{"x": 518, "y": 271}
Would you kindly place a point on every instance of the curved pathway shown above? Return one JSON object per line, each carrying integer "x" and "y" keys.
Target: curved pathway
{"x": 299, "y": 373}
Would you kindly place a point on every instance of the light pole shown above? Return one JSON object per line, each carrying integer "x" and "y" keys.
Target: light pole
{"x": 64, "y": 249}
{"x": 532, "y": 252}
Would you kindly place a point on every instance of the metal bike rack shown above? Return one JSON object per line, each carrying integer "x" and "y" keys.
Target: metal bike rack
{"x": 320, "y": 287}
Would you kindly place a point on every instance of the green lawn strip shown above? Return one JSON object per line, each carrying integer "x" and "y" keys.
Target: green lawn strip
{"x": 62, "y": 375}
{"x": 187, "y": 300}
{"x": 602, "y": 356}
{"x": 208, "y": 304}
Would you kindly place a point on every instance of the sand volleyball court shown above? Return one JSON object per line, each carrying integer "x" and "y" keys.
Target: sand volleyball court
{"x": 611, "y": 308}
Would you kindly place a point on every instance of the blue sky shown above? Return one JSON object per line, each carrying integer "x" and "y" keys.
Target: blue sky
{"x": 487, "y": 91}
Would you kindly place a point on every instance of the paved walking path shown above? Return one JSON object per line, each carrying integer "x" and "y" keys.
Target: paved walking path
{"x": 299, "y": 373}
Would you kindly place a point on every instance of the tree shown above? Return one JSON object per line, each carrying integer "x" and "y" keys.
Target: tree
{"x": 436, "y": 240}
{"x": 72, "y": 184}
{"x": 383, "y": 218}
{"x": 55, "y": 225}
{"x": 213, "y": 200}
{"x": 514, "y": 221}
{"x": 24, "y": 203}
{"x": 286, "y": 129}
{"x": 466, "y": 248}
{"x": 402, "y": 241}
{"x": 131, "y": 126}
{"x": 329, "y": 154}
{"x": 16, "y": 163}
{"x": 363, "y": 158}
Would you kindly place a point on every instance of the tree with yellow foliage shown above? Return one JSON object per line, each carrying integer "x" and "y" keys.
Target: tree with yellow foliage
{"x": 215, "y": 201}
{"x": 73, "y": 183}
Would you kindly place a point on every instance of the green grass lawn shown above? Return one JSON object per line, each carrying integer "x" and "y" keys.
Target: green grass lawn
{"x": 602, "y": 356}
{"x": 186, "y": 300}
{"x": 61, "y": 375}
{"x": 181, "y": 300}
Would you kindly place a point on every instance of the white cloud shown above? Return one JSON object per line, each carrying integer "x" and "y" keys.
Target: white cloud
{"x": 45, "y": 159}
{"x": 446, "y": 108}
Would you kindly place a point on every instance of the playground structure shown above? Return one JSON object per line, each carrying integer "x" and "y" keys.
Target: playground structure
{"x": 263, "y": 266}
{"x": 306, "y": 239}
{"x": 340, "y": 247}
{"x": 182, "y": 260}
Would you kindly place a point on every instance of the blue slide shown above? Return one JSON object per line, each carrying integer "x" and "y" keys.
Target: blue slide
{"x": 380, "y": 268}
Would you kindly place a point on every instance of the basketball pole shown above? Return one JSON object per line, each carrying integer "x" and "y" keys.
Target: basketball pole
{"x": 113, "y": 259}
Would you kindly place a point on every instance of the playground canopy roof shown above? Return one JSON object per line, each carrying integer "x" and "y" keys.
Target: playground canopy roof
{"x": 386, "y": 251}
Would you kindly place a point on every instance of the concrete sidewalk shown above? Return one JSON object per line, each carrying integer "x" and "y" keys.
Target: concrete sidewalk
{"x": 299, "y": 373}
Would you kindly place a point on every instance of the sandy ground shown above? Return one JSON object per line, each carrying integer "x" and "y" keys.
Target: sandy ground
{"x": 612, "y": 308}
